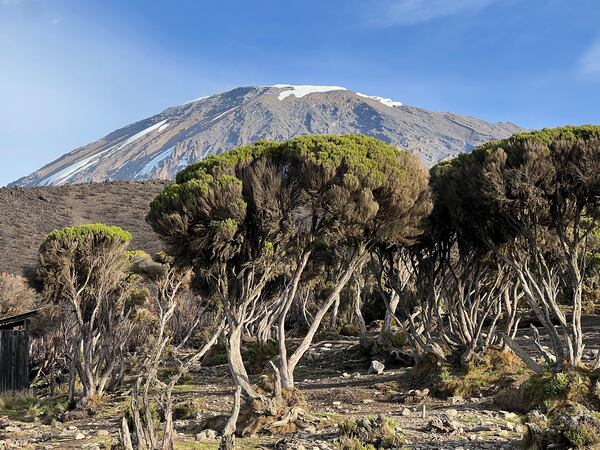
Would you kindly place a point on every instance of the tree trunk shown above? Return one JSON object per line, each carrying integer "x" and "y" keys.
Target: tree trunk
{"x": 307, "y": 341}
{"x": 236, "y": 363}
{"x": 228, "y": 439}
{"x": 360, "y": 321}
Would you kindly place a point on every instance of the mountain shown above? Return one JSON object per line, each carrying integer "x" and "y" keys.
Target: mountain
{"x": 161, "y": 145}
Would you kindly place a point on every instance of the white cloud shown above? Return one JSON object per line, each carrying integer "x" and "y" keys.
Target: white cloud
{"x": 589, "y": 63}
{"x": 411, "y": 12}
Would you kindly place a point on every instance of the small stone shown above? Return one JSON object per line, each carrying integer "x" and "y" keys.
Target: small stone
{"x": 346, "y": 375}
{"x": 376, "y": 367}
{"x": 405, "y": 412}
{"x": 45, "y": 437}
{"x": 356, "y": 375}
{"x": 367, "y": 400}
{"x": 72, "y": 428}
{"x": 422, "y": 394}
{"x": 452, "y": 412}
{"x": 336, "y": 403}
{"x": 102, "y": 433}
{"x": 79, "y": 436}
{"x": 328, "y": 345}
{"x": 457, "y": 400}
{"x": 207, "y": 434}
{"x": 12, "y": 429}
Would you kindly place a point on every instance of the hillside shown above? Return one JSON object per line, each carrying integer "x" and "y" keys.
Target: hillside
{"x": 159, "y": 146}
{"x": 28, "y": 215}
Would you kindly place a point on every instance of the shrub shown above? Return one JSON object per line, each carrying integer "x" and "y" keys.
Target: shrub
{"x": 485, "y": 375}
{"x": 186, "y": 409}
{"x": 369, "y": 433}
{"x": 548, "y": 389}
{"x": 16, "y": 296}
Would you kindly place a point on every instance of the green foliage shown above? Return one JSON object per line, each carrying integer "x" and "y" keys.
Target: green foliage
{"x": 482, "y": 376}
{"x": 25, "y": 406}
{"x": 185, "y": 410}
{"x": 218, "y": 358}
{"x": 369, "y": 433}
{"x": 540, "y": 388}
{"x": 503, "y": 187}
{"x": 81, "y": 233}
{"x": 351, "y": 443}
{"x": 258, "y": 355}
{"x": 241, "y": 208}
{"x": 582, "y": 435}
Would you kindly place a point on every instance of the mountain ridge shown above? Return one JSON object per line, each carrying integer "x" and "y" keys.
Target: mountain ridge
{"x": 158, "y": 146}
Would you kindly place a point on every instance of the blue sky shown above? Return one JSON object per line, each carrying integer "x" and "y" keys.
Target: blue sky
{"x": 73, "y": 70}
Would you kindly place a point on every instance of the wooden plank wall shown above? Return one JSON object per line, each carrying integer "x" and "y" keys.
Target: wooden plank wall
{"x": 14, "y": 360}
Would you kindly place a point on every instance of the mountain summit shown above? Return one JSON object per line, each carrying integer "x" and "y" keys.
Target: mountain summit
{"x": 161, "y": 145}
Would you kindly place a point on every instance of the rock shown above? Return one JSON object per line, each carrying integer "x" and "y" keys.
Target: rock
{"x": 443, "y": 424}
{"x": 207, "y": 434}
{"x": 45, "y": 437}
{"x": 452, "y": 412}
{"x": 422, "y": 394}
{"x": 336, "y": 403}
{"x": 72, "y": 428}
{"x": 376, "y": 367}
{"x": 310, "y": 430}
{"x": 457, "y": 400}
{"x": 12, "y": 429}
{"x": 346, "y": 375}
{"x": 405, "y": 412}
{"x": 356, "y": 375}
{"x": 102, "y": 433}
{"x": 79, "y": 436}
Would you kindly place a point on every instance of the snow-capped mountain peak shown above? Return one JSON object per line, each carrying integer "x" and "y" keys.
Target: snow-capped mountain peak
{"x": 161, "y": 145}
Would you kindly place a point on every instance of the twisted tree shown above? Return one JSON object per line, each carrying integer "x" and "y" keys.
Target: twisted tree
{"x": 84, "y": 271}
{"x": 533, "y": 200}
{"x": 255, "y": 215}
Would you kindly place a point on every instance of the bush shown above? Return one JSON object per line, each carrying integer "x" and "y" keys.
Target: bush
{"x": 257, "y": 356}
{"x": 548, "y": 390}
{"x": 16, "y": 296}
{"x": 568, "y": 426}
{"x": 369, "y": 433}
{"x": 186, "y": 409}
{"x": 487, "y": 375}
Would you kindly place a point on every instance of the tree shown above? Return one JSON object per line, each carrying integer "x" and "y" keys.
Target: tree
{"x": 16, "y": 296}
{"x": 256, "y": 215}
{"x": 84, "y": 272}
{"x": 168, "y": 287}
{"x": 533, "y": 200}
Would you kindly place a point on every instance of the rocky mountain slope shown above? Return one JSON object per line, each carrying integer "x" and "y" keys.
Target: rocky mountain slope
{"x": 27, "y": 216}
{"x": 161, "y": 145}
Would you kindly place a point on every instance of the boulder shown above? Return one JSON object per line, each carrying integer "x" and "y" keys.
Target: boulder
{"x": 207, "y": 434}
{"x": 376, "y": 367}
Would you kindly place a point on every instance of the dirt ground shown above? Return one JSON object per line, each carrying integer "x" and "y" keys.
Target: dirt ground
{"x": 334, "y": 379}
{"x": 336, "y": 383}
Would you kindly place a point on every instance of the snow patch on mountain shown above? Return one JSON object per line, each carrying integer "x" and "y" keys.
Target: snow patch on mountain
{"x": 196, "y": 100}
{"x": 300, "y": 91}
{"x": 154, "y": 162}
{"x": 223, "y": 113}
{"x": 385, "y": 101}
{"x": 62, "y": 176}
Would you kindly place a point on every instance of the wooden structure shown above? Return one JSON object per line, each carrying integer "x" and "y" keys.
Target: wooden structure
{"x": 14, "y": 352}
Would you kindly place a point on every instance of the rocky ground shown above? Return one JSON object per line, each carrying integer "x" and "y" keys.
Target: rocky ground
{"x": 337, "y": 384}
